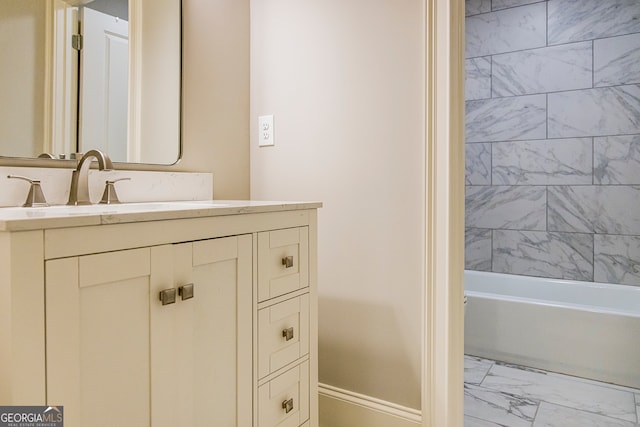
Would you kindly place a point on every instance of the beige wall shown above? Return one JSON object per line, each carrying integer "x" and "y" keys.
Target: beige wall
{"x": 216, "y": 94}
{"x": 345, "y": 82}
{"x": 159, "y": 84}
{"x": 22, "y": 43}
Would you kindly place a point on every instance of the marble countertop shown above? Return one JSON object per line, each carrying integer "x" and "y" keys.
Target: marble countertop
{"x": 20, "y": 219}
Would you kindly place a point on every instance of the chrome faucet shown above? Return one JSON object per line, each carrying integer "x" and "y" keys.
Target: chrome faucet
{"x": 79, "y": 192}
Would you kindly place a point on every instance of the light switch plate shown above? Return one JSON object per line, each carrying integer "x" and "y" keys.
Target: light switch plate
{"x": 266, "y": 134}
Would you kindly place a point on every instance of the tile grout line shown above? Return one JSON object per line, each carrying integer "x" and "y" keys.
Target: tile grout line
{"x": 561, "y": 91}
{"x": 555, "y": 138}
{"x": 546, "y": 24}
{"x": 533, "y": 420}
{"x": 486, "y": 374}
{"x": 593, "y": 64}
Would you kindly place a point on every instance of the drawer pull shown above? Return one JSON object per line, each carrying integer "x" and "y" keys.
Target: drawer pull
{"x": 168, "y": 296}
{"x": 287, "y": 334}
{"x": 287, "y": 261}
{"x": 287, "y": 405}
{"x": 186, "y": 291}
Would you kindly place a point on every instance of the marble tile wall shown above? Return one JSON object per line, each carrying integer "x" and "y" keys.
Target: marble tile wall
{"x": 553, "y": 138}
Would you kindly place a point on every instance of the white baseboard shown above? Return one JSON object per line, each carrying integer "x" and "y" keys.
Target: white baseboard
{"x": 344, "y": 408}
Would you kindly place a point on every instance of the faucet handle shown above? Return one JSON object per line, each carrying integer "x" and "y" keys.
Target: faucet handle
{"x": 35, "y": 198}
{"x": 110, "y": 197}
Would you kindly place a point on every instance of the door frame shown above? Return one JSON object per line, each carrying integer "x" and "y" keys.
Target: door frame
{"x": 443, "y": 308}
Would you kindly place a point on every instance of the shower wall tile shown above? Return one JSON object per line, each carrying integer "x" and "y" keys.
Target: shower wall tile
{"x": 477, "y": 252}
{"x": 478, "y": 78}
{"x": 617, "y": 60}
{"x": 506, "y": 30}
{"x": 617, "y": 160}
{"x": 543, "y": 162}
{"x": 578, "y": 20}
{"x": 474, "y": 7}
{"x": 504, "y": 4}
{"x": 606, "y": 209}
{"x": 595, "y": 112}
{"x": 478, "y": 164}
{"x": 506, "y": 119}
{"x": 553, "y": 138}
{"x": 549, "y": 69}
{"x": 505, "y": 207}
{"x": 617, "y": 259}
{"x": 542, "y": 254}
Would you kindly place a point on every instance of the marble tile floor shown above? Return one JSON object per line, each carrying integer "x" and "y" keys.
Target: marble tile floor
{"x": 501, "y": 394}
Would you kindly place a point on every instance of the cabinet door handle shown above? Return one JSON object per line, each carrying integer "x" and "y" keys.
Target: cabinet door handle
{"x": 186, "y": 291}
{"x": 287, "y": 334}
{"x": 287, "y": 261}
{"x": 287, "y": 405}
{"x": 168, "y": 296}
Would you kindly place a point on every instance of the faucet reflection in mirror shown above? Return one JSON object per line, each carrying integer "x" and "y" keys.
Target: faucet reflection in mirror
{"x": 79, "y": 192}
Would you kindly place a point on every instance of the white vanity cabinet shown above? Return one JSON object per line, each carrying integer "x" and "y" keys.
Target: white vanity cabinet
{"x": 202, "y": 320}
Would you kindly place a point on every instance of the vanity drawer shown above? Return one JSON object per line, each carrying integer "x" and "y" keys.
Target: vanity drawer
{"x": 283, "y": 261}
{"x": 284, "y": 401}
{"x": 283, "y": 334}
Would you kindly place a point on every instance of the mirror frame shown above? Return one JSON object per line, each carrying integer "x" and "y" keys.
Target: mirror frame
{"x": 6, "y": 161}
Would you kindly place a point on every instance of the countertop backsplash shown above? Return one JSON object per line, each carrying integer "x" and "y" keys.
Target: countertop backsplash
{"x": 144, "y": 186}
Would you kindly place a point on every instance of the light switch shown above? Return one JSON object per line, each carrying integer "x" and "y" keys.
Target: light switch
{"x": 265, "y": 131}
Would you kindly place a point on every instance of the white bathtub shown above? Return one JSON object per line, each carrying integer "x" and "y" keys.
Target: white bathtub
{"x": 591, "y": 330}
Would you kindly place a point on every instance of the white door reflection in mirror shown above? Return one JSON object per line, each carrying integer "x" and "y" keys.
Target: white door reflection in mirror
{"x": 104, "y": 68}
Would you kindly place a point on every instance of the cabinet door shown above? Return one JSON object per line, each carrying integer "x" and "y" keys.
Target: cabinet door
{"x": 98, "y": 331}
{"x": 116, "y": 356}
{"x": 202, "y": 345}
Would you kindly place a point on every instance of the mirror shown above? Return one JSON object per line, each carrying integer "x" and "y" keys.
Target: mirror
{"x": 116, "y": 87}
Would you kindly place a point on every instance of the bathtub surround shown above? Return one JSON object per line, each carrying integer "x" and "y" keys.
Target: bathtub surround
{"x": 594, "y": 112}
{"x": 478, "y": 70}
{"x": 542, "y": 70}
{"x": 553, "y": 138}
{"x": 502, "y": 119}
{"x": 526, "y": 29}
{"x": 572, "y": 20}
{"x": 556, "y": 254}
{"x": 616, "y": 60}
{"x": 617, "y": 160}
{"x": 543, "y": 162}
